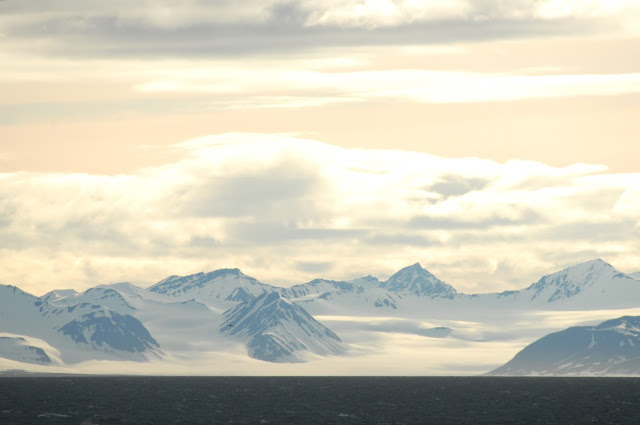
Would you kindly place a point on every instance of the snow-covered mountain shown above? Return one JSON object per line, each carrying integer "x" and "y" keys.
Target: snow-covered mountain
{"x": 586, "y": 286}
{"x": 414, "y": 280}
{"x": 366, "y": 281}
{"x": 409, "y": 289}
{"x": 323, "y": 288}
{"x": 18, "y": 349}
{"x": 593, "y": 284}
{"x": 58, "y": 294}
{"x": 612, "y": 347}
{"x": 102, "y": 328}
{"x": 324, "y": 297}
{"x": 635, "y": 275}
{"x": 183, "y": 317}
{"x": 277, "y": 330}
{"x": 103, "y": 296}
{"x": 106, "y": 322}
{"x": 80, "y": 331}
{"x": 219, "y": 289}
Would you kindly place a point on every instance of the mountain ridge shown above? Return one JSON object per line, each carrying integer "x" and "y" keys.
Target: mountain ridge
{"x": 187, "y": 315}
{"x": 280, "y": 330}
{"x": 611, "y": 347}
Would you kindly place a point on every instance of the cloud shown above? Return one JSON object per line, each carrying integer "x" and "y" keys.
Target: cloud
{"x": 314, "y": 266}
{"x": 456, "y": 185}
{"x": 305, "y": 87}
{"x": 498, "y": 220}
{"x": 283, "y": 209}
{"x": 375, "y": 13}
{"x": 160, "y": 28}
{"x": 155, "y": 58}
{"x": 287, "y": 189}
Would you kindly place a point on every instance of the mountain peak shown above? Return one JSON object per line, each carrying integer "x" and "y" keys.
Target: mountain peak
{"x": 418, "y": 281}
{"x": 416, "y": 267}
{"x": 219, "y": 288}
{"x": 198, "y": 279}
{"x": 366, "y": 280}
{"x": 572, "y": 280}
{"x": 278, "y": 330}
{"x": 595, "y": 261}
{"x": 224, "y": 272}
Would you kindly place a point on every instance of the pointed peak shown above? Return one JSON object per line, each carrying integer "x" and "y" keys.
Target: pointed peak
{"x": 414, "y": 268}
{"x": 598, "y": 265}
{"x": 574, "y": 280}
{"x": 419, "y": 281}
{"x": 592, "y": 266}
{"x": 595, "y": 262}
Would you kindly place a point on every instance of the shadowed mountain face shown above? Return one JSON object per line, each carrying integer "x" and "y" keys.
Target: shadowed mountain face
{"x": 82, "y": 331}
{"x": 278, "y": 330}
{"x": 414, "y": 280}
{"x": 612, "y": 347}
{"x": 106, "y": 328}
{"x": 17, "y": 349}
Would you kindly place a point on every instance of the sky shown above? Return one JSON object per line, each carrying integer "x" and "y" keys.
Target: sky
{"x": 493, "y": 142}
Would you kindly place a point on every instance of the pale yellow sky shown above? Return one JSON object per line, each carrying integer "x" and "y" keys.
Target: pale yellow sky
{"x": 89, "y": 121}
{"x": 559, "y": 132}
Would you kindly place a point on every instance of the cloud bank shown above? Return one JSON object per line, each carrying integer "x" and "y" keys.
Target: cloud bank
{"x": 286, "y": 208}
{"x": 224, "y": 28}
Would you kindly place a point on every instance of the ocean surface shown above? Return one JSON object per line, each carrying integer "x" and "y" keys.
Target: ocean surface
{"x": 312, "y": 400}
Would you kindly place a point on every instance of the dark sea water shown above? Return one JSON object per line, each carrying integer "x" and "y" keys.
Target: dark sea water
{"x": 327, "y": 400}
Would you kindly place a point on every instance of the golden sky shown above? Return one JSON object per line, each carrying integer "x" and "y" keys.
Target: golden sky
{"x": 492, "y": 141}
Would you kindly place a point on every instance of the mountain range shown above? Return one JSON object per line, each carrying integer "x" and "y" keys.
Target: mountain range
{"x": 229, "y": 313}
